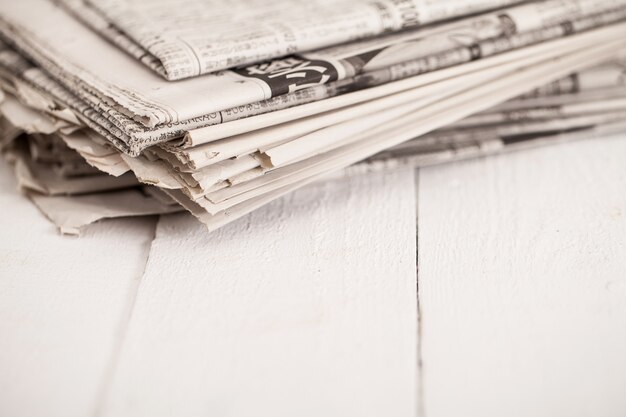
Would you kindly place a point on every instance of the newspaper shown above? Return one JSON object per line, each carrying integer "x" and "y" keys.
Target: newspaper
{"x": 137, "y": 108}
{"x": 479, "y": 98}
{"x": 71, "y": 214}
{"x": 146, "y": 177}
{"x": 173, "y": 33}
{"x": 94, "y": 130}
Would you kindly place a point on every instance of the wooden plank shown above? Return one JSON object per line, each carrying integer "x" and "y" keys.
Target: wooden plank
{"x": 522, "y": 283}
{"x": 306, "y": 307}
{"x": 62, "y": 302}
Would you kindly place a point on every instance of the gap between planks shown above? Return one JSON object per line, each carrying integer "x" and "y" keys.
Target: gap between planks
{"x": 350, "y": 247}
{"x": 522, "y": 284}
{"x": 420, "y": 380}
{"x": 123, "y": 326}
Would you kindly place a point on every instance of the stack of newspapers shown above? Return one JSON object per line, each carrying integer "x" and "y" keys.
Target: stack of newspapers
{"x": 134, "y": 107}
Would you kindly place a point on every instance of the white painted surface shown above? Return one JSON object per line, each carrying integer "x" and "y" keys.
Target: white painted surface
{"x": 305, "y": 308}
{"x": 522, "y": 283}
{"x": 522, "y": 292}
{"x": 62, "y": 302}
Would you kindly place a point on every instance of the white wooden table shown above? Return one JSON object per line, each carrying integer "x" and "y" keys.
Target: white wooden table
{"x": 317, "y": 305}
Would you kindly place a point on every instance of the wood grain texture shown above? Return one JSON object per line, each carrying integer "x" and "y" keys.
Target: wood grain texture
{"x": 522, "y": 283}
{"x": 62, "y": 302}
{"x": 306, "y": 307}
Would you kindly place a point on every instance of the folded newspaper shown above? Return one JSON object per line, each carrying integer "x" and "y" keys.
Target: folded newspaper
{"x": 125, "y": 108}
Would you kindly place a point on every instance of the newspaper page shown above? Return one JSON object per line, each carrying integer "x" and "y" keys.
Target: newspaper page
{"x": 247, "y": 31}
